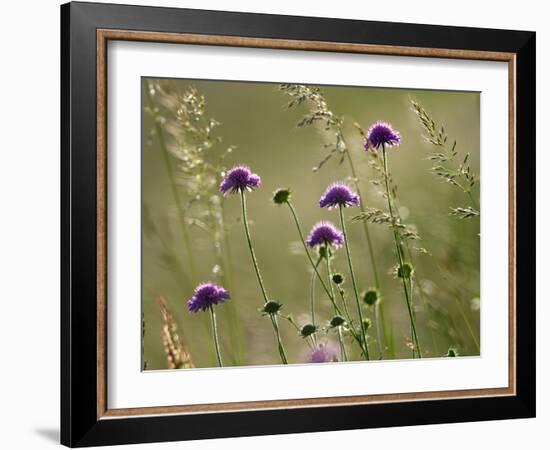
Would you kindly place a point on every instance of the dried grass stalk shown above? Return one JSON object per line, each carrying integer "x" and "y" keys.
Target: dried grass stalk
{"x": 177, "y": 353}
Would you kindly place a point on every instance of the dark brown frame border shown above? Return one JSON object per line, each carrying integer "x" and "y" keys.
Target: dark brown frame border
{"x": 86, "y": 29}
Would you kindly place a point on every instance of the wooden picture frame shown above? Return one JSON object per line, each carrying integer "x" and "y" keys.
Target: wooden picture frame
{"x": 86, "y": 418}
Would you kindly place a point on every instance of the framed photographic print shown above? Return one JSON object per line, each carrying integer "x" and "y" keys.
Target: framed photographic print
{"x": 277, "y": 224}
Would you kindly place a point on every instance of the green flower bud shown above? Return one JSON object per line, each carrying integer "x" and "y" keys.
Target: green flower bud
{"x": 281, "y": 196}
{"x": 371, "y": 297}
{"x": 408, "y": 270}
{"x": 452, "y": 353}
{"x": 367, "y": 323}
{"x": 272, "y": 307}
{"x": 337, "y": 321}
{"x": 338, "y": 278}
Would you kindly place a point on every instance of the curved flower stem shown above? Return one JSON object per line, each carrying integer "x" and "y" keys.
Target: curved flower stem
{"x": 343, "y": 355}
{"x": 235, "y": 330}
{"x": 350, "y": 322}
{"x": 378, "y": 330}
{"x": 251, "y": 248}
{"x": 316, "y": 271}
{"x": 215, "y": 336}
{"x": 312, "y": 295}
{"x": 330, "y": 293}
{"x": 303, "y": 241}
{"x": 344, "y": 302}
{"x": 354, "y": 284}
{"x": 411, "y": 296}
{"x": 420, "y": 291}
{"x": 399, "y": 254}
{"x": 312, "y": 292}
{"x": 365, "y": 224}
{"x": 311, "y": 342}
{"x": 467, "y": 322}
{"x": 371, "y": 250}
{"x": 280, "y": 346}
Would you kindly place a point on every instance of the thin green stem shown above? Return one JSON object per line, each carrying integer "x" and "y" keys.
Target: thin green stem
{"x": 350, "y": 322}
{"x": 354, "y": 284}
{"x": 251, "y": 248}
{"x": 378, "y": 330}
{"x": 312, "y": 342}
{"x": 280, "y": 346}
{"x": 329, "y": 292}
{"x": 412, "y": 307}
{"x": 312, "y": 294}
{"x": 398, "y": 250}
{"x": 468, "y": 325}
{"x": 232, "y": 315}
{"x": 344, "y": 302}
{"x": 370, "y": 248}
{"x": 215, "y": 336}
{"x": 365, "y": 224}
{"x": 435, "y": 350}
{"x": 343, "y": 355}
{"x": 303, "y": 241}
{"x": 391, "y": 343}
{"x": 220, "y": 262}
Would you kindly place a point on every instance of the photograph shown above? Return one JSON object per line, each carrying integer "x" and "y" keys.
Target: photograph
{"x": 292, "y": 223}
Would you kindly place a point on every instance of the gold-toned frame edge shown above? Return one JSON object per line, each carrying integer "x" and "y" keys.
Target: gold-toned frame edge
{"x": 103, "y": 36}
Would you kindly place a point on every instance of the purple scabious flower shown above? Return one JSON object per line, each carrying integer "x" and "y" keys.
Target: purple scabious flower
{"x": 325, "y": 233}
{"x": 207, "y": 295}
{"x": 323, "y": 354}
{"x": 382, "y": 133}
{"x": 238, "y": 179}
{"x": 338, "y": 194}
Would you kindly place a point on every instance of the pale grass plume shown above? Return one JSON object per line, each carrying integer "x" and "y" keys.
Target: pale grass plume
{"x": 448, "y": 165}
{"x": 177, "y": 353}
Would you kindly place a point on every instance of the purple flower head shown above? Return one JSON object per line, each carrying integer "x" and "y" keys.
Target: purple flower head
{"x": 323, "y": 353}
{"x": 238, "y": 179}
{"x": 325, "y": 233}
{"x": 382, "y": 133}
{"x": 205, "y": 296}
{"x": 338, "y": 194}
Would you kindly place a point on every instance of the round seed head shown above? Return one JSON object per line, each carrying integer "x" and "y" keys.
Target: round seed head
{"x": 452, "y": 353}
{"x": 272, "y": 307}
{"x": 371, "y": 297}
{"x": 338, "y": 278}
{"x": 367, "y": 323}
{"x": 407, "y": 271}
{"x": 308, "y": 330}
{"x": 337, "y": 321}
{"x": 281, "y": 196}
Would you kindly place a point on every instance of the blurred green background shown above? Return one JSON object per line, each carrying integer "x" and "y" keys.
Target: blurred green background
{"x": 255, "y": 119}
